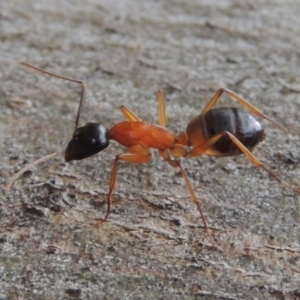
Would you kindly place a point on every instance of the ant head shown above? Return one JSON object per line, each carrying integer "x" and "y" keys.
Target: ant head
{"x": 86, "y": 141}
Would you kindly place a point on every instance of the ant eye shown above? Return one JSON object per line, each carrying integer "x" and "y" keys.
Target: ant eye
{"x": 92, "y": 141}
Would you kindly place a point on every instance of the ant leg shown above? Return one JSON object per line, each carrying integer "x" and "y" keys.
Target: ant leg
{"x": 257, "y": 163}
{"x": 182, "y": 139}
{"x": 161, "y": 108}
{"x": 243, "y": 102}
{"x": 202, "y": 148}
{"x": 12, "y": 180}
{"x": 128, "y": 114}
{"x": 178, "y": 151}
{"x": 198, "y": 150}
{"x": 131, "y": 116}
{"x": 176, "y": 164}
{"x": 128, "y": 157}
{"x": 83, "y": 87}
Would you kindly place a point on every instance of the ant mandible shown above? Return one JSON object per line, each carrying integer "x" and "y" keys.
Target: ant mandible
{"x": 223, "y": 131}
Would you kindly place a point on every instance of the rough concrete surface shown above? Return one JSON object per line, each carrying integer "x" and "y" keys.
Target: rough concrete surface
{"x": 154, "y": 245}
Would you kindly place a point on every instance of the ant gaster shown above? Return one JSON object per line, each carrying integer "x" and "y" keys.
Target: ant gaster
{"x": 224, "y": 131}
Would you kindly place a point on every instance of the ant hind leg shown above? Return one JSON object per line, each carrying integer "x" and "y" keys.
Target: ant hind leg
{"x": 212, "y": 102}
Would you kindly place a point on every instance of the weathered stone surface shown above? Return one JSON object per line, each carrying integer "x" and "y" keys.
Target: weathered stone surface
{"x": 153, "y": 246}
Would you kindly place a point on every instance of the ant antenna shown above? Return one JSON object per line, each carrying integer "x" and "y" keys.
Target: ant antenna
{"x": 48, "y": 157}
{"x": 83, "y": 87}
{"x": 29, "y": 166}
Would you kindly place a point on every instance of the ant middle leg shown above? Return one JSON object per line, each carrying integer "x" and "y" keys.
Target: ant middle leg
{"x": 212, "y": 102}
{"x": 176, "y": 164}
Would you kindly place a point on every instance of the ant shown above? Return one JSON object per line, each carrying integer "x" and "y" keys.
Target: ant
{"x": 223, "y": 131}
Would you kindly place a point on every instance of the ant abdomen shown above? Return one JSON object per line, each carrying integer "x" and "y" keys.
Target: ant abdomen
{"x": 233, "y": 120}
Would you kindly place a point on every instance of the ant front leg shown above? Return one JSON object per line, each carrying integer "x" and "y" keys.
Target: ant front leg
{"x": 161, "y": 108}
{"x": 212, "y": 102}
{"x": 200, "y": 149}
{"x": 129, "y": 115}
{"x": 137, "y": 158}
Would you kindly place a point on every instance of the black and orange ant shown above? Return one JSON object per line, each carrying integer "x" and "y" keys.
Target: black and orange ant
{"x": 224, "y": 131}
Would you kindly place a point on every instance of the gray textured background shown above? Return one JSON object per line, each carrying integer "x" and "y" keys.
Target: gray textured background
{"x": 153, "y": 246}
